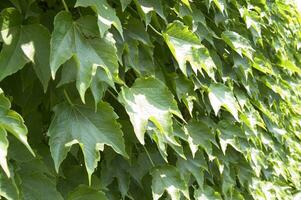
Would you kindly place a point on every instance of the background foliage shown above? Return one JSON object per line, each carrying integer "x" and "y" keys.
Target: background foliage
{"x": 150, "y": 99}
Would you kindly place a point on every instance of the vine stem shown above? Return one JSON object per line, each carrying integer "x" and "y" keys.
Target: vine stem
{"x": 155, "y": 30}
{"x": 113, "y": 95}
{"x": 68, "y": 98}
{"x": 65, "y": 5}
{"x": 149, "y": 157}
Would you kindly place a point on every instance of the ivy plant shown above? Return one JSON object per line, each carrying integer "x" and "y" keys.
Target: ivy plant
{"x": 150, "y": 99}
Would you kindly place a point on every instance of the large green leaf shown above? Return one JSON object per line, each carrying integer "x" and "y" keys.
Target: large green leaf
{"x": 186, "y": 47}
{"x": 72, "y": 39}
{"x": 91, "y": 130}
{"x": 238, "y": 43}
{"x": 23, "y": 44}
{"x": 174, "y": 64}
{"x": 143, "y": 104}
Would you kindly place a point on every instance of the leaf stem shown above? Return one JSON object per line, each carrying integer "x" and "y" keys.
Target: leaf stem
{"x": 112, "y": 94}
{"x": 65, "y": 5}
{"x": 149, "y": 157}
{"x": 68, "y": 98}
{"x": 155, "y": 30}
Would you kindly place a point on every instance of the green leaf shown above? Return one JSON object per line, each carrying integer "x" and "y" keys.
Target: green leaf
{"x": 23, "y": 44}
{"x": 12, "y": 122}
{"x": 229, "y": 135}
{"x": 186, "y": 47}
{"x": 125, "y": 3}
{"x": 238, "y": 43}
{"x": 194, "y": 166}
{"x": 8, "y": 188}
{"x": 69, "y": 39}
{"x": 139, "y": 57}
{"x": 3, "y": 151}
{"x": 199, "y": 134}
{"x": 91, "y": 130}
{"x": 168, "y": 178}
{"x": 289, "y": 65}
{"x": 39, "y": 186}
{"x": 174, "y": 64}
{"x": 83, "y": 192}
{"x": 220, "y": 95}
{"x": 207, "y": 194}
{"x": 37, "y": 182}
{"x": 143, "y": 104}
{"x": 146, "y": 8}
{"x": 106, "y": 15}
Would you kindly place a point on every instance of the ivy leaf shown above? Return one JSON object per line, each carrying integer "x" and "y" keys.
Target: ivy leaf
{"x": 3, "y": 151}
{"x": 12, "y": 122}
{"x": 289, "y": 65}
{"x": 106, "y": 15}
{"x": 168, "y": 178}
{"x": 143, "y": 104}
{"x": 194, "y": 166}
{"x": 238, "y": 43}
{"x": 91, "y": 130}
{"x": 185, "y": 92}
{"x": 69, "y": 39}
{"x": 83, "y": 192}
{"x": 207, "y": 194}
{"x": 163, "y": 139}
{"x": 23, "y": 44}
{"x": 147, "y": 7}
{"x": 39, "y": 186}
{"x": 200, "y": 135}
{"x": 36, "y": 181}
{"x": 22, "y": 6}
{"x": 220, "y": 95}
{"x": 186, "y": 46}
{"x": 8, "y": 188}
{"x": 229, "y": 135}
{"x": 139, "y": 57}
{"x": 125, "y": 3}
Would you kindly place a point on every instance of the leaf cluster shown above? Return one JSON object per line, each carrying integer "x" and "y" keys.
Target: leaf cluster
{"x": 150, "y": 99}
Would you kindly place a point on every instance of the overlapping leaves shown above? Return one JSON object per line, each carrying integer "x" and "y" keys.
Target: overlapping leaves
{"x": 152, "y": 99}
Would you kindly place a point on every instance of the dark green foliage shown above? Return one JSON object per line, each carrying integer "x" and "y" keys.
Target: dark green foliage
{"x": 150, "y": 99}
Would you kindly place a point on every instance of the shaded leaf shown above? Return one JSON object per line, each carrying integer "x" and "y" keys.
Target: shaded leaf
{"x": 23, "y": 44}
{"x": 168, "y": 178}
{"x": 83, "y": 192}
{"x": 91, "y": 130}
